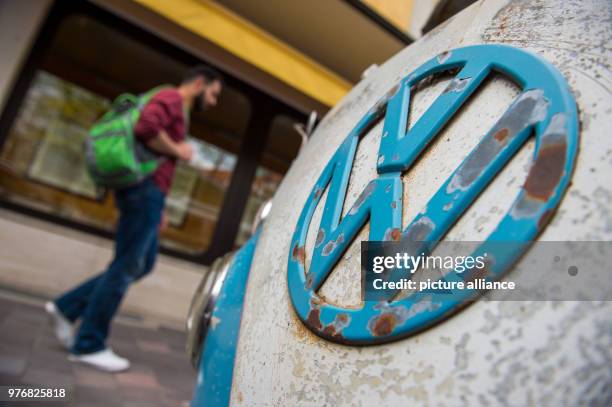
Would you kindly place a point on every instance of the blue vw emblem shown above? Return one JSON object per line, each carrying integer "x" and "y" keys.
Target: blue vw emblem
{"x": 545, "y": 107}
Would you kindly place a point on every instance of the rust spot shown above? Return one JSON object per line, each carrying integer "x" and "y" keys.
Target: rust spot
{"x": 314, "y": 319}
{"x": 393, "y": 204}
{"x": 396, "y": 234}
{"x": 301, "y": 332}
{"x": 334, "y": 330}
{"x": 318, "y": 192}
{"x": 330, "y": 330}
{"x": 444, "y": 56}
{"x": 393, "y": 234}
{"x": 545, "y": 218}
{"x": 332, "y": 245}
{"x": 320, "y": 237}
{"x": 328, "y": 248}
{"x": 502, "y": 135}
{"x": 385, "y": 324}
{"x": 316, "y": 301}
{"x": 309, "y": 281}
{"x": 392, "y": 91}
{"x": 477, "y": 273}
{"x": 546, "y": 172}
{"x": 299, "y": 254}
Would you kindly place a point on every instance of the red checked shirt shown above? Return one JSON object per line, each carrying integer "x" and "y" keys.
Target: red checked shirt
{"x": 163, "y": 112}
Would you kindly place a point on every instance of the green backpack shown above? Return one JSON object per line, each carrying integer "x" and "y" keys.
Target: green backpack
{"x": 114, "y": 157}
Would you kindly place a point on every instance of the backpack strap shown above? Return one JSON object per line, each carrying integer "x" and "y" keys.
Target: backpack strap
{"x": 144, "y": 98}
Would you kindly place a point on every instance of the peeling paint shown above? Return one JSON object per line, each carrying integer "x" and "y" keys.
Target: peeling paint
{"x": 320, "y": 237}
{"x": 365, "y": 194}
{"x": 381, "y": 105}
{"x": 393, "y": 234}
{"x": 298, "y": 254}
{"x": 529, "y": 108}
{"x": 334, "y": 330}
{"x": 443, "y": 57}
{"x": 546, "y": 171}
{"x": 332, "y": 244}
{"x": 457, "y": 85}
{"x": 390, "y": 317}
{"x": 419, "y": 230}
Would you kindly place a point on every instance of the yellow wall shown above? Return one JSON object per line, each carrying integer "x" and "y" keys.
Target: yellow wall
{"x": 224, "y": 28}
{"x": 398, "y": 12}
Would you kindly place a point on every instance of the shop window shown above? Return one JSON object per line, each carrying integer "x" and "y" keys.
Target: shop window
{"x": 43, "y": 167}
{"x": 282, "y": 146}
{"x": 263, "y": 188}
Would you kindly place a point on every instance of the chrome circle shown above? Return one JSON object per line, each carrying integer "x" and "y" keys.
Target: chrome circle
{"x": 202, "y": 306}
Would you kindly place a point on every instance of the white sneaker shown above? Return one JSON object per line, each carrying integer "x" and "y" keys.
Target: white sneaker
{"x": 106, "y": 360}
{"x": 64, "y": 329}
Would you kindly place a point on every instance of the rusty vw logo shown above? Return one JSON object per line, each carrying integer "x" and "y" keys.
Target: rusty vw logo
{"x": 545, "y": 107}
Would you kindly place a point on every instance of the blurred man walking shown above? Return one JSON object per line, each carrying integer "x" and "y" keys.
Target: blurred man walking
{"x": 161, "y": 127}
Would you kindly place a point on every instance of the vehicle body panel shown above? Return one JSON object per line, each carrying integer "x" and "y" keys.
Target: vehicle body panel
{"x": 498, "y": 353}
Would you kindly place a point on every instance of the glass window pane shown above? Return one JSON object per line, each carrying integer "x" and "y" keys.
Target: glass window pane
{"x": 282, "y": 146}
{"x": 263, "y": 188}
{"x": 196, "y": 196}
{"x": 42, "y": 166}
{"x": 43, "y": 160}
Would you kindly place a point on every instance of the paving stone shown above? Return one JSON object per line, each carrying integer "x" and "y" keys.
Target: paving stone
{"x": 8, "y": 380}
{"x": 121, "y": 333}
{"x": 12, "y": 365}
{"x": 177, "y": 383}
{"x": 140, "y": 394}
{"x": 142, "y": 403}
{"x": 30, "y": 355}
{"x": 141, "y": 379}
{"x": 154, "y": 346}
{"x": 175, "y": 339}
{"x": 48, "y": 377}
{"x": 91, "y": 396}
{"x": 88, "y": 376}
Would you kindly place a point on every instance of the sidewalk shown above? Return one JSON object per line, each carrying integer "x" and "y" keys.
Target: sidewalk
{"x": 160, "y": 374}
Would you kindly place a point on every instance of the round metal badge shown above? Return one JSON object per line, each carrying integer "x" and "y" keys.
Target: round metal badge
{"x": 545, "y": 107}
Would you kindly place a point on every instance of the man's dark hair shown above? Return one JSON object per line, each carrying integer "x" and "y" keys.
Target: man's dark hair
{"x": 209, "y": 74}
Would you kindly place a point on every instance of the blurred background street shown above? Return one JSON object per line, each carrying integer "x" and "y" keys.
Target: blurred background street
{"x": 29, "y": 355}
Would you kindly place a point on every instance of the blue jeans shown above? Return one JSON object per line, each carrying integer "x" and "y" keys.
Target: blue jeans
{"x": 96, "y": 300}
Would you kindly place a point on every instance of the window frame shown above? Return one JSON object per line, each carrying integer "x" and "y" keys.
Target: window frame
{"x": 250, "y": 151}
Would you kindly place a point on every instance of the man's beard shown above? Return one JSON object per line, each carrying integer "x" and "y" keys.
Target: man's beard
{"x": 198, "y": 104}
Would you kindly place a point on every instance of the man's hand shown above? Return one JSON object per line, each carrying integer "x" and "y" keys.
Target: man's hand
{"x": 165, "y": 145}
{"x": 184, "y": 151}
{"x": 163, "y": 224}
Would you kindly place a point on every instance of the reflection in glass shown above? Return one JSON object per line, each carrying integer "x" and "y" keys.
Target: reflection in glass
{"x": 42, "y": 165}
{"x": 263, "y": 188}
